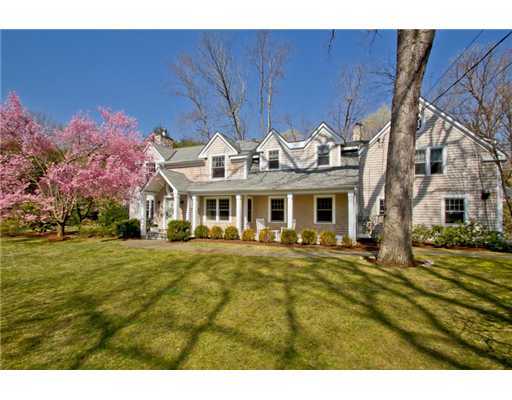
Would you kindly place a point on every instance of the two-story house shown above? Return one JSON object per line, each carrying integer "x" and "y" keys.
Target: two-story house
{"x": 320, "y": 182}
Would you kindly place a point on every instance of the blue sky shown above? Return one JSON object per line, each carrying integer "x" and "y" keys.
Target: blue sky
{"x": 60, "y": 72}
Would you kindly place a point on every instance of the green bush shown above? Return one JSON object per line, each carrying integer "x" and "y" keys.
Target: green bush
{"x": 201, "y": 232}
{"x": 266, "y": 236}
{"x": 178, "y": 230}
{"x": 231, "y": 233}
{"x": 289, "y": 236}
{"x": 10, "y": 227}
{"x": 112, "y": 212}
{"x": 309, "y": 236}
{"x": 421, "y": 233}
{"x": 249, "y": 235}
{"x": 328, "y": 238}
{"x": 216, "y": 232}
{"x": 347, "y": 241}
{"x": 96, "y": 230}
{"x": 128, "y": 229}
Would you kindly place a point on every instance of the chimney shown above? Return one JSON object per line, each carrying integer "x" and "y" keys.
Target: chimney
{"x": 357, "y": 132}
{"x": 162, "y": 137}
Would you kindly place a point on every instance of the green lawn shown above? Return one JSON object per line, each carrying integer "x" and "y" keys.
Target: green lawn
{"x": 102, "y": 304}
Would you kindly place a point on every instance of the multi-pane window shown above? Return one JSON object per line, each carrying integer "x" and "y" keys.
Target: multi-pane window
{"x": 436, "y": 161}
{"x": 273, "y": 159}
{"x": 277, "y": 210}
{"x": 324, "y": 210}
{"x": 454, "y": 210}
{"x": 382, "y": 207}
{"x": 249, "y": 210}
{"x": 211, "y": 209}
{"x": 151, "y": 168}
{"x": 218, "y": 167}
{"x": 150, "y": 209}
{"x": 224, "y": 209}
{"x": 421, "y": 162}
{"x": 323, "y": 155}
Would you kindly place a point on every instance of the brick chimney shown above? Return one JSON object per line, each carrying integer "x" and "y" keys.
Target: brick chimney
{"x": 162, "y": 137}
{"x": 357, "y": 132}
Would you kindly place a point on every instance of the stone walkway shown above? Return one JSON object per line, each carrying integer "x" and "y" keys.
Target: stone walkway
{"x": 254, "y": 249}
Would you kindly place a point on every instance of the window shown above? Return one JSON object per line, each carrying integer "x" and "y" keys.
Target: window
{"x": 276, "y": 209}
{"x": 454, "y": 210}
{"x": 218, "y": 167}
{"x": 224, "y": 209}
{"x": 382, "y": 207}
{"x": 273, "y": 159}
{"x": 436, "y": 161}
{"x": 421, "y": 162}
{"x": 323, "y": 155}
{"x": 211, "y": 209}
{"x": 150, "y": 209}
{"x": 151, "y": 168}
{"x": 324, "y": 212}
{"x": 419, "y": 121}
{"x": 249, "y": 209}
{"x": 217, "y": 209}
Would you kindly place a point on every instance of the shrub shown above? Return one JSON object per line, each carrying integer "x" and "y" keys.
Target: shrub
{"x": 249, "y": 235}
{"x": 128, "y": 229}
{"x": 347, "y": 241}
{"x": 421, "y": 234}
{"x": 328, "y": 238}
{"x": 178, "y": 230}
{"x": 201, "y": 232}
{"x": 309, "y": 236}
{"x": 96, "y": 230}
{"x": 112, "y": 212}
{"x": 266, "y": 236}
{"x": 216, "y": 232}
{"x": 289, "y": 236}
{"x": 10, "y": 227}
{"x": 231, "y": 233}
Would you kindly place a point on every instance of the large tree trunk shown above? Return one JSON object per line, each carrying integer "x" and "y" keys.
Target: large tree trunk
{"x": 413, "y": 50}
{"x": 61, "y": 230}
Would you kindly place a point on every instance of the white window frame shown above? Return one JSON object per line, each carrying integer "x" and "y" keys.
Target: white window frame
{"x": 443, "y": 157}
{"x": 210, "y": 160}
{"x": 325, "y": 196}
{"x": 378, "y": 206}
{"x": 217, "y": 215}
{"x": 428, "y": 161}
{"x": 278, "y": 159}
{"x": 425, "y": 149}
{"x": 252, "y": 208}
{"x": 329, "y": 147}
{"x": 443, "y": 207}
{"x": 285, "y": 211}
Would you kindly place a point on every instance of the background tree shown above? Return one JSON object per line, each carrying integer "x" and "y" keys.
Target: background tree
{"x": 375, "y": 121}
{"x": 269, "y": 57}
{"x": 413, "y": 50}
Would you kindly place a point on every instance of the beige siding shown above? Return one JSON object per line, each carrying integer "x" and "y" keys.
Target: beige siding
{"x": 232, "y": 211}
{"x": 465, "y": 175}
{"x": 235, "y": 169}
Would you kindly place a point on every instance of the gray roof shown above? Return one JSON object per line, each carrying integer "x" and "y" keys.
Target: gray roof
{"x": 191, "y": 153}
{"x": 186, "y": 154}
{"x": 178, "y": 180}
{"x": 165, "y": 151}
{"x": 332, "y": 178}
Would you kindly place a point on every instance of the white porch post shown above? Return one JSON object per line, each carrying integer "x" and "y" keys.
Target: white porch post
{"x": 194, "y": 213}
{"x": 187, "y": 213}
{"x": 239, "y": 219}
{"x": 290, "y": 210}
{"x": 246, "y": 207}
{"x": 352, "y": 217}
{"x": 143, "y": 214}
{"x": 176, "y": 205}
{"x": 164, "y": 213}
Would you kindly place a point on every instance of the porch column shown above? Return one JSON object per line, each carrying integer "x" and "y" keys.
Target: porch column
{"x": 290, "y": 210}
{"x": 187, "y": 213}
{"x": 194, "y": 213}
{"x": 352, "y": 218}
{"x": 239, "y": 219}
{"x": 164, "y": 213}
{"x": 176, "y": 210}
{"x": 246, "y": 207}
{"x": 143, "y": 214}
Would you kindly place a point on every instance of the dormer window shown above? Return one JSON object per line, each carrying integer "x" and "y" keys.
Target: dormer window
{"x": 323, "y": 155}
{"x": 419, "y": 121}
{"x": 273, "y": 159}
{"x": 218, "y": 167}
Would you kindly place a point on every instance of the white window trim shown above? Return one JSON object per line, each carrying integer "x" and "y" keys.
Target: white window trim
{"x": 329, "y": 146}
{"x": 378, "y": 205}
{"x": 323, "y": 196}
{"x": 268, "y": 159}
{"x": 428, "y": 161}
{"x": 443, "y": 207}
{"x": 217, "y": 215}
{"x": 210, "y": 161}
{"x": 270, "y": 209}
{"x": 252, "y": 208}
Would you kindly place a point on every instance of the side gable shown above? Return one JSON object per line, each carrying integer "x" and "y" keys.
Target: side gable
{"x": 153, "y": 153}
{"x": 323, "y": 134}
{"x": 218, "y": 144}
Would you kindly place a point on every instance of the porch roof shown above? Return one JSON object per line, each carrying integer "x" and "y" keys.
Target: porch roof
{"x": 176, "y": 179}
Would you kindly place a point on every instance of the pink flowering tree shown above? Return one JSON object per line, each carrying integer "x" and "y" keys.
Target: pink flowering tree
{"x": 54, "y": 171}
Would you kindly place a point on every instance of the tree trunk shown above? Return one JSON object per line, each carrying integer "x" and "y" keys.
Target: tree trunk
{"x": 61, "y": 230}
{"x": 413, "y": 50}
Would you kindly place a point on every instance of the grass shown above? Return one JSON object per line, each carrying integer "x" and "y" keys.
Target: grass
{"x": 99, "y": 304}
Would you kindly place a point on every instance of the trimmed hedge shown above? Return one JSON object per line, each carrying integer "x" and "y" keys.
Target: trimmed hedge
{"x": 201, "y": 232}
{"x": 266, "y": 236}
{"x": 249, "y": 235}
{"x": 231, "y": 233}
{"x": 289, "y": 236}
{"x": 328, "y": 238}
{"x": 216, "y": 232}
{"x": 128, "y": 229}
{"x": 178, "y": 230}
{"x": 309, "y": 236}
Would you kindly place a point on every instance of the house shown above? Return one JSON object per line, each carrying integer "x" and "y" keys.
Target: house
{"x": 320, "y": 182}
